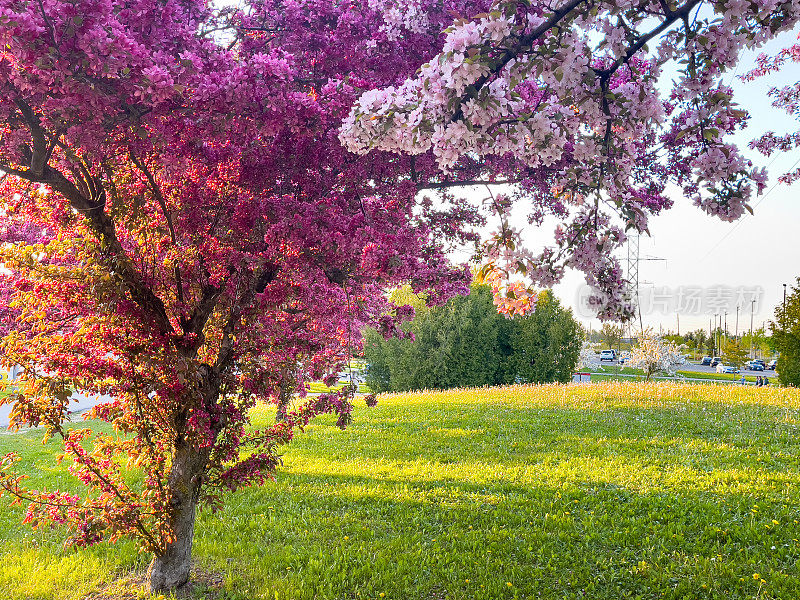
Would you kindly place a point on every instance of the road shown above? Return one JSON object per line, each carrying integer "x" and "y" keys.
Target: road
{"x": 705, "y": 369}
{"x": 692, "y": 367}
{"x": 80, "y": 403}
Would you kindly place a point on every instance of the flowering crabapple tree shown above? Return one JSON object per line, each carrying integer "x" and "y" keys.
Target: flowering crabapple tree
{"x": 574, "y": 90}
{"x": 184, "y": 231}
{"x": 589, "y": 357}
{"x": 654, "y": 354}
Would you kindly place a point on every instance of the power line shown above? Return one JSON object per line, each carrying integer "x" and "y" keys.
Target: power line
{"x": 740, "y": 221}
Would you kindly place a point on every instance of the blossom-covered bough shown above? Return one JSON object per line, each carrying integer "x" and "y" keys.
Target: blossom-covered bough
{"x": 574, "y": 91}
{"x": 785, "y": 97}
{"x": 183, "y": 231}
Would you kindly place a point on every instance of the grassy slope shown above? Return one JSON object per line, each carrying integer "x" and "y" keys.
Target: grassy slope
{"x": 606, "y": 491}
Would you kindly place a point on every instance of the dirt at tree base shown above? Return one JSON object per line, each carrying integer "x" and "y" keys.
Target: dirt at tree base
{"x": 203, "y": 584}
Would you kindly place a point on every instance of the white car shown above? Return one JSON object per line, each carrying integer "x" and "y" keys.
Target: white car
{"x": 608, "y": 355}
{"x": 726, "y": 368}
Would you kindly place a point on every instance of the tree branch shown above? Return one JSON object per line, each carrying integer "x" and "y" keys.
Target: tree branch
{"x": 512, "y": 53}
{"x": 259, "y": 284}
{"x": 113, "y": 255}
{"x": 162, "y": 203}
{"x": 447, "y": 184}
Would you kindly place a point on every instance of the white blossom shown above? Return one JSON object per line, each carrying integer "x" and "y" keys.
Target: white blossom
{"x": 654, "y": 354}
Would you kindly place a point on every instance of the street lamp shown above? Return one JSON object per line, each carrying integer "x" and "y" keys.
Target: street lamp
{"x": 725, "y": 330}
{"x": 784, "y": 304}
{"x": 752, "y": 307}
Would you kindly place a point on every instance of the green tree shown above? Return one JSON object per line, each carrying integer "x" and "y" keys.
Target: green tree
{"x": 710, "y": 347}
{"x": 466, "y": 343}
{"x": 377, "y": 356}
{"x": 611, "y": 334}
{"x": 696, "y": 339}
{"x": 546, "y": 343}
{"x": 786, "y": 336}
{"x": 733, "y": 353}
{"x": 715, "y": 342}
{"x": 761, "y": 343}
{"x": 452, "y": 345}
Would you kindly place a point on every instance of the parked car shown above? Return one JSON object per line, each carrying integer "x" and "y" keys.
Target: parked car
{"x": 706, "y": 362}
{"x": 726, "y": 368}
{"x": 772, "y": 364}
{"x": 716, "y": 361}
{"x": 608, "y": 355}
{"x": 760, "y": 361}
{"x": 754, "y": 365}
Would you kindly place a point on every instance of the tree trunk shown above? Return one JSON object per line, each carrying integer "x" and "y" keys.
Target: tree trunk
{"x": 170, "y": 568}
{"x": 287, "y": 387}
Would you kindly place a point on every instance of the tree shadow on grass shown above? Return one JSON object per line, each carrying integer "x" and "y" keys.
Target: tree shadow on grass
{"x": 327, "y": 536}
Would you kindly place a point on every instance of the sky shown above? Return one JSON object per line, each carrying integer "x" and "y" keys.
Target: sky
{"x": 705, "y": 265}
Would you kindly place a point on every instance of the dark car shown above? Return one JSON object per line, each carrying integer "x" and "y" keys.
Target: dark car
{"x": 715, "y": 361}
{"x": 706, "y": 362}
{"x": 754, "y": 365}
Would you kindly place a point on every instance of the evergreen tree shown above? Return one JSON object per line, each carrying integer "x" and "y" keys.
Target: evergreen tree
{"x": 546, "y": 343}
{"x": 466, "y": 343}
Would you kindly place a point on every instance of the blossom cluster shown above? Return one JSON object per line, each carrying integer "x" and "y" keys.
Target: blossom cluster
{"x": 786, "y": 98}
{"x": 589, "y": 357}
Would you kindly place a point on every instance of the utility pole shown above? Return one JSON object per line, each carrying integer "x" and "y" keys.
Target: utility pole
{"x": 725, "y": 331}
{"x": 736, "y": 335}
{"x": 752, "y": 306}
{"x": 633, "y": 280}
{"x": 679, "y": 323}
{"x": 716, "y": 334}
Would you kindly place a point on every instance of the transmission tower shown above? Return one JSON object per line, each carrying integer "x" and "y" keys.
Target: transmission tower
{"x": 633, "y": 277}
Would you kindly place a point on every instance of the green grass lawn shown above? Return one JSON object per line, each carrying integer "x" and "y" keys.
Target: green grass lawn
{"x": 610, "y": 491}
{"x": 725, "y": 378}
